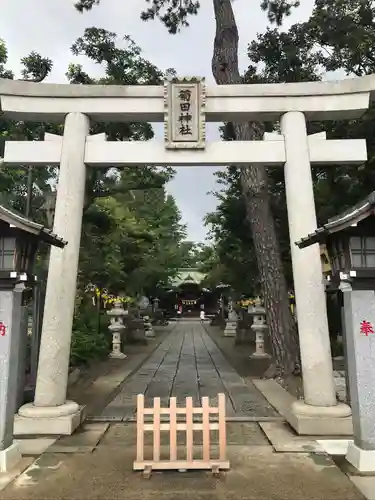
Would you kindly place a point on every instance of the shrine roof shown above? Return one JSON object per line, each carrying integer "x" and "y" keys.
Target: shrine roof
{"x": 350, "y": 217}
{"x": 188, "y": 275}
{"x": 24, "y": 224}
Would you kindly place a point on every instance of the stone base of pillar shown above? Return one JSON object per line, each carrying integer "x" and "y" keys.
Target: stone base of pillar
{"x": 321, "y": 420}
{"x": 260, "y": 355}
{"x": 230, "y": 329}
{"x": 117, "y": 355}
{"x": 48, "y": 420}
{"x": 363, "y": 460}
{"x": 9, "y": 458}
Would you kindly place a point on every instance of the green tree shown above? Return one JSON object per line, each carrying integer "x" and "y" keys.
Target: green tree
{"x": 15, "y": 183}
{"x": 174, "y": 14}
{"x": 145, "y": 243}
{"x": 230, "y": 233}
{"x": 304, "y": 53}
{"x": 132, "y": 229}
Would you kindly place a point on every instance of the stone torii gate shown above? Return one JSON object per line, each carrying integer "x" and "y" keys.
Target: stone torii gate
{"x": 184, "y": 106}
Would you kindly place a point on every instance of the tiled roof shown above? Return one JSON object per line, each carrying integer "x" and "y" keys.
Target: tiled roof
{"x": 30, "y": 227}
{"x": 350, "y": 217}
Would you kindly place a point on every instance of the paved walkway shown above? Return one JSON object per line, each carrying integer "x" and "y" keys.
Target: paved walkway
{"x": 96, "y": 461}
{"x": 188, "y": 363}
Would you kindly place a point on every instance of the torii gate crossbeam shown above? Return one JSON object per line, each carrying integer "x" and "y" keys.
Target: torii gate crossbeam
{"x": 122, "y": 154}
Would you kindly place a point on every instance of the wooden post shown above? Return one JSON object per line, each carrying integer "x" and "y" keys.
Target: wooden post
{"x": 156, "y": 429}
{"x": 206, "y": 428}
{"x": 140, "y": 427}
{"x": 173, "y": 429}
{"x": 189, "y": 429}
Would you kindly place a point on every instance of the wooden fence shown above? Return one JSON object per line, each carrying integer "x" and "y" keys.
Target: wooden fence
{"x": 186, "y": 424}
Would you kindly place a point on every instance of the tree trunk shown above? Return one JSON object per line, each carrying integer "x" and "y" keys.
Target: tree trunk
{"x": 254, "y": 183}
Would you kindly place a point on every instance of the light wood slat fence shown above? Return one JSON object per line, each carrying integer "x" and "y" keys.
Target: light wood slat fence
{"x": 189, "y": 427}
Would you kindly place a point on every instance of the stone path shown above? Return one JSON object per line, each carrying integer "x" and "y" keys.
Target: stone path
{"x": 188, "y": 363}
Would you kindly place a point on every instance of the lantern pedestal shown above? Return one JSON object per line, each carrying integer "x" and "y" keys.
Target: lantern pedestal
{"x": 259, "y": 342}
{"x": 231, "y": 326}
{"x": 116, "y": 346}
{"x": 149, "y": 331}
{"x": 260, "y": 328}
{"x": 359, "y": 315}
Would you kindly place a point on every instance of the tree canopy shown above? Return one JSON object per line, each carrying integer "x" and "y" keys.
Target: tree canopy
{"x": 132, "y": 232}
{"x": 305, "y": 52}
{"x": 128, "y": 216}
{"x": 174, "y": 14}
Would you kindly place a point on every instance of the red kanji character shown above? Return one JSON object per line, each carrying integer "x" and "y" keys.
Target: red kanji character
{"x": 2, "y": 329}
{"x": 366, "y": 328}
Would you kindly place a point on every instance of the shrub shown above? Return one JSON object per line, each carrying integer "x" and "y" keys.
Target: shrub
{"x": 88, "y": 343}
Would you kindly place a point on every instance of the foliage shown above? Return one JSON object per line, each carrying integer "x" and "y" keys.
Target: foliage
{"x": 306, "y": 52}
{"x": 253, "y": 178}
{"x": 350, "y": 46}
{"x": 231, "y": 235}
{"x": 4, "y": 73}
{"x": 13, "y": 181}
{"x": 102, "y": 295}
{"x": 88, "y": 343}
{"x": 174, "y": 14}
{"x": 194, "y": 254}
{"x": 35, "y": 67}
{"x": 132, "y": 229}
{"x": 303, "y": 53}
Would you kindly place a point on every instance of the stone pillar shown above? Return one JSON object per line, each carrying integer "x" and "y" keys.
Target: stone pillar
{"x": 35, "y": 339}
{"x": 22, "y": 353}
{"x": 116, "y": 327}
{"x": 317, "y": 369}
{"x": 51, "y": 413}
{"x": 359, "y": 314}
{"x": 345, "y": 345}
{"x": 10, "y": 336}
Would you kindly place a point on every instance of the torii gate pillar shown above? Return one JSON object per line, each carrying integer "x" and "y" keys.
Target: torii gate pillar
{"x": 319, "y": 412}
{"x": 50, "y": 413}
{"x": 318, "y": 382}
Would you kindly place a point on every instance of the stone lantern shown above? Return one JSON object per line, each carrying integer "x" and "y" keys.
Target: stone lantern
{"x": 260, "y": 327}
{"x": 350, "y": 240}
{"x": 19, "y": 239}
{"x": 116, "y": 328}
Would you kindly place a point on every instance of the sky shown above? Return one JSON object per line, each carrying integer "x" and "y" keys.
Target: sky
{"x": 51, "y": 26}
